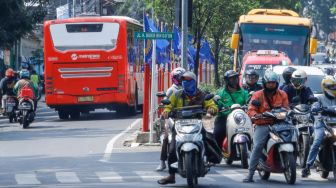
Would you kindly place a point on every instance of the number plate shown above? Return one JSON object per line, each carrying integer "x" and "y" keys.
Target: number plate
{"x": 85, "y": 99}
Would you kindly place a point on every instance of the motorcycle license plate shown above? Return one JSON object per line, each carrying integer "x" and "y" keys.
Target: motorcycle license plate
{"x": 85, "y": 99}
{"x": 241, "y": 129}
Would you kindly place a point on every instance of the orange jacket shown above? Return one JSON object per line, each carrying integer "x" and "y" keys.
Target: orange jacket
{"x": 280, "y": 99}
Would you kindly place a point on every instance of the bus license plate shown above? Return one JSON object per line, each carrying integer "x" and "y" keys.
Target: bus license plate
{"x": 85, "y": 99}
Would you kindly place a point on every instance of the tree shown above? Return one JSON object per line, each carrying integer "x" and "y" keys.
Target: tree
{"x": 17, "y": 17}
{"x": 220, "y": 30}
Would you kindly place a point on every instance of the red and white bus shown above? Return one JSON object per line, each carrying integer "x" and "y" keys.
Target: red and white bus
{"x": 91, "y": 63}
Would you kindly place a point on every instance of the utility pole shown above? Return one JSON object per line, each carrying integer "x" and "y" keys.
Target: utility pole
{"x": 73, "y": 8}
{"x": 184, "y": 62}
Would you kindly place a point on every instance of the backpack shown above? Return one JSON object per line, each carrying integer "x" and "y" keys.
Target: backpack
{"x": 26, "y": 92}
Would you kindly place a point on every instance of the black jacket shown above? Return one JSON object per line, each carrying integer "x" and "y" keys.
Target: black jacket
{"x": 255, "y": 87}
{"x": 7, "y": 86}
{"x": 304, "y": 93}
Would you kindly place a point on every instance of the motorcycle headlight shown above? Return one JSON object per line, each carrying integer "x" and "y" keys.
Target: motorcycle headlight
{"x": 280, "y": 115}
{"x": 188, "y": 128}
{"x": 239, "y": 118}
{"x": 302, "y": 118}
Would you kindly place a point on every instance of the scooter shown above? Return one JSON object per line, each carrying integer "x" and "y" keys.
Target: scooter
{"x": 26, "y": 113}
{"x": 326, "y": 159}
{"x": 238, "y": 139}
{"x": 303, "y": 119}
{"x": 10, "y": 107}
{"x": 190, "y": 148}
{"x": 278, "y": 155}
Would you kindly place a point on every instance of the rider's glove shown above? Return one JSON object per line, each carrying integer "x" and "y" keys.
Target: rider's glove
{"x": 211, "y": 111}
{"x": 165, "y": 115}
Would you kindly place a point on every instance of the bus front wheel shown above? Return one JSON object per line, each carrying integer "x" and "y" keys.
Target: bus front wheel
{"x": 63, "y": 114}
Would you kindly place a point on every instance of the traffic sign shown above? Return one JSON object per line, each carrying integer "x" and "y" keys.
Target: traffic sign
{"x": 153, "y": 35}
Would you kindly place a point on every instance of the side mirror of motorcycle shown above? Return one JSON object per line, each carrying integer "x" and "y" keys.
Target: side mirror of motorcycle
{"x": 165, "y": 101}
{"x": 296, "y": 99}
{"x": 251, "y": 93}
{"x": 312, "y": 99}
{"x": 208, "y": 97}
{"x": 161, "y": 94}
{"x": 216, "y": 98}
{"x": 256, "y": 103}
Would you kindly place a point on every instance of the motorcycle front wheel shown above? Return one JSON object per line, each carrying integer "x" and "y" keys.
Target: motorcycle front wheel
{"x": 189, "y": 162}
{"x": 264, "y": 175}
{"x": 243, "y": 155}
{"x": 290, "y": 167}
{"x": 304, "y": 146}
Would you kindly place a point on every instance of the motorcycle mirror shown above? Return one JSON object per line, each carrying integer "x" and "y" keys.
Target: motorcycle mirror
{"x": 209, "y": 96}
{"x": 252, "y": 92}
{"x": 165, "y": 101}
{"x": 217, "y": 98}
{"x": 296, "y": 99}
{"x": 161, "y": 94}
{"x": 312, "y": 99}
{"x": 256, "y": 103}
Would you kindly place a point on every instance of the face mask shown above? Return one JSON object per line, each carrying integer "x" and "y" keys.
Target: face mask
{"x": 233, "y": 82}
{"x": 189, "y": 87}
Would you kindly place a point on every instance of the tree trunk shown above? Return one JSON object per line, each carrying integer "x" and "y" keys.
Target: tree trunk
{"x": 198, "y": 48}
{"x": 217, "y": 49}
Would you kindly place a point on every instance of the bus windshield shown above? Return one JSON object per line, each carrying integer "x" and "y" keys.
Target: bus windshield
{"x": 69, "y": 36}
{"x": 293, "y": 40}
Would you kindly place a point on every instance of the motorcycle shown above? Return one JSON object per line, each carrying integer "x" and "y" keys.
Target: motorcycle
{"x": 278, "y": 156}
{"x": 303, "y": 120}
{"x": 326, "y": 159}
{"x": 190, "y": 148}
{"x": 10, "y": 107}
{"x": 26, "y": 107}
{"x": 238, "y": 140}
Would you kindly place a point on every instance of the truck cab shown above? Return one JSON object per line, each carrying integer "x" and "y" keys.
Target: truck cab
{"x": 261, "y": 60}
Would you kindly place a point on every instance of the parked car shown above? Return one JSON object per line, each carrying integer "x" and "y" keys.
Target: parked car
{"x": 315, "y": 76}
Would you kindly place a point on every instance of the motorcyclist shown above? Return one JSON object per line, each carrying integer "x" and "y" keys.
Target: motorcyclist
{"x": 287, "y": 75}
{"x": 229, "y": 95}
{"x": 251, "y": 78}
{"x": 188, "y": 96}
{"x": 297, "y": 88}
{"x": 328, "y": 85}
{"x": 26, "y": 82}
{"x": 7, "y": 86}
{"x": 269, "y": 98}
{"x": 176, "y": 78}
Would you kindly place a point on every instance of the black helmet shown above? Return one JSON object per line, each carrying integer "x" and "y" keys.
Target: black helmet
{"x": 229, "y": 74}
{"x": 251, "y": 73}
{"x": 287, "y": 74}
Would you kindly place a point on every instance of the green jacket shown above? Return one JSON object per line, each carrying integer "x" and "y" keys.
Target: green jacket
{"x": 238, "y": 97}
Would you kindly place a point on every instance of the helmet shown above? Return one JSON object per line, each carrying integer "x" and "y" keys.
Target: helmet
{"x": 270, "y": 76}
{"x": 176, "y": 75}
{"x": 9, "y": 73}
{"x": 251, "y": 74}
{"x": 287, "y": 74}
{"x": 328, "y": 86}
{"x": 229, "y": 74}
{"x": 24, "y": 74}
{"x": 189, "y": 83}
{"x": 299, "y": 78}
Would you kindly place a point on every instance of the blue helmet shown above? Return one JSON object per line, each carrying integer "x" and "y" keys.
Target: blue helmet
{"x": 24, "y": 74}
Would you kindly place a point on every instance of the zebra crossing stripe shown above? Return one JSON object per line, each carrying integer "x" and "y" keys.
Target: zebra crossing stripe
{"x": 26, "y": 179}
{"x": 148, "y": 175}
{"x": 109, "y": 177}
{"x": 67, "y": 177}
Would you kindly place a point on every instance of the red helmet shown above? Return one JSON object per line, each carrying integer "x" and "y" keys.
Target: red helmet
{"x": 9, "y": 73}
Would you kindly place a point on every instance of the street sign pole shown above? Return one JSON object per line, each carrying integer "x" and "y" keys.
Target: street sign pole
{"x": 152, "y": 93}
{"x": 184, "y": 62}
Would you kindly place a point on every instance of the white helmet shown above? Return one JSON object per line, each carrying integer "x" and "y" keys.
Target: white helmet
{"x": 176, "y": 75}
{"x": 299, "y": 78}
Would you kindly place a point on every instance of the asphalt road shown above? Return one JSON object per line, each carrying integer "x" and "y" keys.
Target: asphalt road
{"x": 90, "y": 152}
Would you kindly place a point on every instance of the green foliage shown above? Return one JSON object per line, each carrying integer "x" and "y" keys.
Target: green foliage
{"x": 17, "y": 17}
{"x": 131, "y": 8}
{"x": 208, "y": 88}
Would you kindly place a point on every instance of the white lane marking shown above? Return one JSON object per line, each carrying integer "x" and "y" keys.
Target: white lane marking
{"x": 148, "y": 175}
{"x": 109, "y": 146}
{"x": 109, "y": 177}
{"x": 231, "y": 174}
{"x": 26, "y": 179}
{"x": 207, "y": 179}
{"x": 67, "y": 177}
